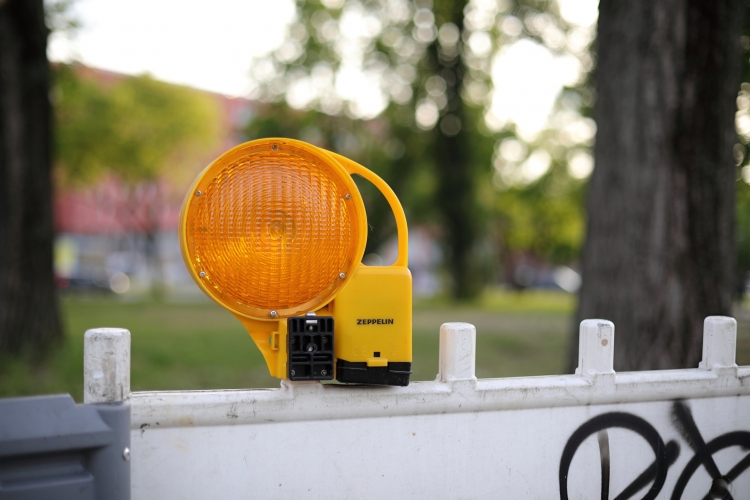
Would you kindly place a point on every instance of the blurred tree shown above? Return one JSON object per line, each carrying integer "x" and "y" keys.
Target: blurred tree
{"x": 659, "y": 251}
{"x": 741, "y": 156}
{"x": 743, "y": 234}
{"x": 543, "y": 219}
{"x": 137, "y": 128}
{"x": 29, "y": 316}
{"x": 451, "y": 152}
{"x": 427, "y": 69}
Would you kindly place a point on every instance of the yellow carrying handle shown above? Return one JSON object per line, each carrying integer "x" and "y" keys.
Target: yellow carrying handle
{"x": 398, "y": 212}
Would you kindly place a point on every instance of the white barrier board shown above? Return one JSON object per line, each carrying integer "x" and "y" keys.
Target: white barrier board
{"x": 664, "y": 434}
{"x": 495, "y": 454}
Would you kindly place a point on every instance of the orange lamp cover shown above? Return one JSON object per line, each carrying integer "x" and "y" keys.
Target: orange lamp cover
{"x": 273, "y": 228}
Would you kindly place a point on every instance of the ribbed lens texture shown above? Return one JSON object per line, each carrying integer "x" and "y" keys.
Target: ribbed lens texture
{"x": 273, "y": 231}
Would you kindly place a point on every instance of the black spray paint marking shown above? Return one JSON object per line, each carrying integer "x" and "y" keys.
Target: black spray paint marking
{"x": 603, "y": 439}
{"x": 673, "y": 451}
{"x": 683, "y": 420}
{"x": 666, "y": 456}
{"x": 623, "y": 421}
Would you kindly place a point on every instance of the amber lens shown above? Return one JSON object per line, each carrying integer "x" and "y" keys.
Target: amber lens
{"x": 272, "y": 230}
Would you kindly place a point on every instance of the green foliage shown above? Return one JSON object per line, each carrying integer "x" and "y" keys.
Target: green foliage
{"x": 544, "y": 219}
{"x": 135, "y": 127}
{"x": 83, "y": 124}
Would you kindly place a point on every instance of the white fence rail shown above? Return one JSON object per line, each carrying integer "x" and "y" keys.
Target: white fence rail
{"x": 597, "y": 434}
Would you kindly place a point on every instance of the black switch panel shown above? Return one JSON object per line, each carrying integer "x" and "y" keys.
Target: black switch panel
{"x": 310, "y": 348}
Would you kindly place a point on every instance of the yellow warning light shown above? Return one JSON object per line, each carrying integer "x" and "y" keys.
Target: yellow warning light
{"x": 273, "y": 227}
{"x": 274, "y": 230}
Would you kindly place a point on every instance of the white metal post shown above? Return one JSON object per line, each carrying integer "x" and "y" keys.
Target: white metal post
{"x": 457, "y": 352}
{"x": 719, "y": 343}
{"x": 106, "y": 365}
{"x": 596, "y": 348}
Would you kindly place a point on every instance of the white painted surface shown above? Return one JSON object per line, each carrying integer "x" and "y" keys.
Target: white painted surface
{"x": 456, "y": 437}
{"x": 106, "y": 365}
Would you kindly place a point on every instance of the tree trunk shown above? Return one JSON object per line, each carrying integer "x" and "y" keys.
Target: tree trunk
{"x": 659, "y": 247}
{"x": 29, "y": 316}
{"x": 455, "y": 193}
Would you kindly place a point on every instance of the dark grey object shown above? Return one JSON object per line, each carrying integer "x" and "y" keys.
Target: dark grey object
{"x": 51, "y": 448}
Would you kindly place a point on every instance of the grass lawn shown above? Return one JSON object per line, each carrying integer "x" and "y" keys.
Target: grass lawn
{"x": 201, "y": 346}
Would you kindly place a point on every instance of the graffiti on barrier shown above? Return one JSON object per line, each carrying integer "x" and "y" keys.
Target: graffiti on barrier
{"x": 665, "y": 454}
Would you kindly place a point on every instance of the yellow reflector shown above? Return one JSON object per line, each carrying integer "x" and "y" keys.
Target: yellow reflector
{"x": 273, "y": 228}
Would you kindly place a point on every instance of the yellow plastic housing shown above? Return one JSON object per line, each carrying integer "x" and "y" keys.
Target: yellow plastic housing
{"x": 275, "y": 228}
{"x": 373, "y": 314}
